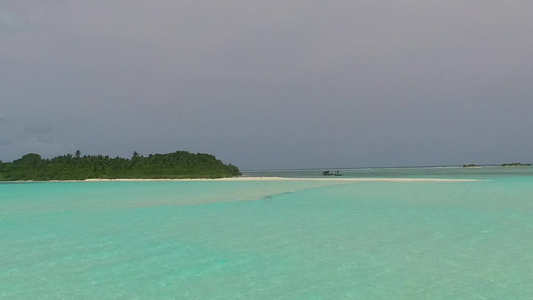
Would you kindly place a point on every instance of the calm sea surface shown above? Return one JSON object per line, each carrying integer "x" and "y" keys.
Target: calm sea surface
{"x": 272, "y": 239}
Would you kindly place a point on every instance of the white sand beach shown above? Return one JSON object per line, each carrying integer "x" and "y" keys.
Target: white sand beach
{"x": 296, "y": 179}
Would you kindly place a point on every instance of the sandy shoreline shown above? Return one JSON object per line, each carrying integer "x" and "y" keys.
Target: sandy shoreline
{"x": 273, "y": 178}
{"x": 291, "y": 179}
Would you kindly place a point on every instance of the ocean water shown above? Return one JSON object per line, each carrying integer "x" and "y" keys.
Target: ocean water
{"x": 272, "y": 239}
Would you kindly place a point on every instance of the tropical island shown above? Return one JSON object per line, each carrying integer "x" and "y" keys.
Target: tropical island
{"x": 176, "y": 165}
{"x": 516, "y": 165}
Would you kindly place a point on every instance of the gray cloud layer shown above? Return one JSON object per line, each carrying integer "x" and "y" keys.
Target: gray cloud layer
{"x": 270, "y": 84}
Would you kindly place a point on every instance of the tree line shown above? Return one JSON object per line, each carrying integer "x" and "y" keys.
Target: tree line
{"x": 503, "y": 165}
{"x": 176, "y": 165}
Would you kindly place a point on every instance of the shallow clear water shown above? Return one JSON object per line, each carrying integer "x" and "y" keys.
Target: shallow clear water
{"x": 271, "y": 239}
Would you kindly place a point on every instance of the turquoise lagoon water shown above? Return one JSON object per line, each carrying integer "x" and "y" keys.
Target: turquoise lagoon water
{"x": 272, "y": 239}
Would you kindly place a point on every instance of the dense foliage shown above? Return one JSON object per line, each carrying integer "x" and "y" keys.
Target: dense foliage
{"x": 180, "y": 164}
{"x": 516, "y": 165}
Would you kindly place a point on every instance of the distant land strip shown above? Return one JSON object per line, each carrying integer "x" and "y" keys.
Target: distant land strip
{"x": 273, "y": 178}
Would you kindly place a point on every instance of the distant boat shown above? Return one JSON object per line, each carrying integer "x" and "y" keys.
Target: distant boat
{"x": 330, "y": 173}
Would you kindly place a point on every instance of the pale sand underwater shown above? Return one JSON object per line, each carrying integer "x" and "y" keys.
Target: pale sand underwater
{"x": 465, "y": 236}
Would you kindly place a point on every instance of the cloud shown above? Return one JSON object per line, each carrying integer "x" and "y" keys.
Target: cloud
{"x": 9, "y": 22}
{"x": 279, "y": 80}
{"x": 26, "y": 145}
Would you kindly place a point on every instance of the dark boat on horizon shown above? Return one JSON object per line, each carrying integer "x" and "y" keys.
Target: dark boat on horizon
{"x": 331, "y": 173}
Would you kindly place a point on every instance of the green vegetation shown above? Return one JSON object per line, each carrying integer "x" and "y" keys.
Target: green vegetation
{"x": 516, "y": 165}
{"x": 503, "y": 165}
{"x": 180, "y": 164}
{"x": 471, "y": 166}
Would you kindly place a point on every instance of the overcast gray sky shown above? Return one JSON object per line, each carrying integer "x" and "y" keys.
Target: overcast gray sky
{"x": 270, "y": 84}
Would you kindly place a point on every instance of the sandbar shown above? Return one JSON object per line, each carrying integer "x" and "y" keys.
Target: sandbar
{"x": 246, "y": 178}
